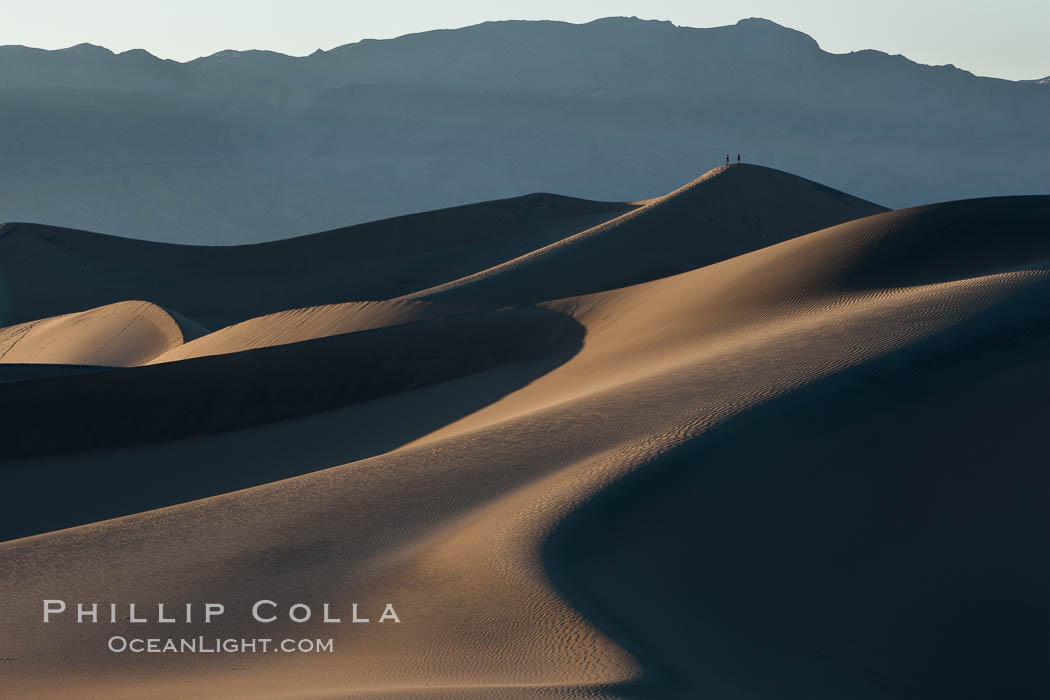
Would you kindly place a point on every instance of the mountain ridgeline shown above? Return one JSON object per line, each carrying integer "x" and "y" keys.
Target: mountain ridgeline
{"x": 251, "y": 146}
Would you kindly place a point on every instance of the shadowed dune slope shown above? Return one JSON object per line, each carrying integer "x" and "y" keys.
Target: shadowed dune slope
{"x": 728, "y": 211}
{"x": 122, "y": 334}
{"x": 214, "y": 393}
{"x": 815, "y": 470}
{"x": 20, "y": 372}
{"x": 46, "y": 271}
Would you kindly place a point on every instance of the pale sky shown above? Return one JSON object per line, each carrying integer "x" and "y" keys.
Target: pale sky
{"x": 1006, "y": 39}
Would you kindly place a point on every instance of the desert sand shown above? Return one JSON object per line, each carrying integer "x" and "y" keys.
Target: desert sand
{"x": 754, "y": 439}
{"x": 118, "y": 335}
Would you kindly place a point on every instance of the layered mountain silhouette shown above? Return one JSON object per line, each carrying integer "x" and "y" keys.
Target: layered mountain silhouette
{"x": 243, "y": 147}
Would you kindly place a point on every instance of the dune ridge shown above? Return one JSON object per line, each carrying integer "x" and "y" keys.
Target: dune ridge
{"x": 308, "y": 323}
{"x": 122, "y": 334}
{"x": 725, "y": 212}
{"x": 376, "y": 260}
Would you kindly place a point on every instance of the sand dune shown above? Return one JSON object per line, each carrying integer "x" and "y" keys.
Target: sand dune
{"x": 810, "y": 470}
{"x": 214, "y": 393}
{"x": 505, "y": 251}
{"x": 128, "y": 334}
{"x": 728, "y": 211}
{"x": 377, "y": 260}
{"x": 309, "y": 323}
{"x": 122, "y": 334}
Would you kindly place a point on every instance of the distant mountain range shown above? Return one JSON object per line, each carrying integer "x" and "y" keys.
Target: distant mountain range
{"x": 252, "y": 146}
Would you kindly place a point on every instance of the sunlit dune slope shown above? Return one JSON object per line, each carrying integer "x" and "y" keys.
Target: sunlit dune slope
{"x": 121, "y": 334}
{"x": 309, "y": 323}
{"x": 812, "y": 470}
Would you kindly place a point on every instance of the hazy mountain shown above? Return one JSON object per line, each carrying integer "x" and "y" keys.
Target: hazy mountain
{"x": 255, "y": 145}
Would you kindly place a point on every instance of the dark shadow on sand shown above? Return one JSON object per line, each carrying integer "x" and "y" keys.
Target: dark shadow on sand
{"x": 84, "y": 448}
{"x": 877, "y": 534}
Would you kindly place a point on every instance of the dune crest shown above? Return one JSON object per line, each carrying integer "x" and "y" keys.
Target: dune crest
{"x": 377, "y": 260}
{"x": 308, "y": 323}
{"x": 119, "y": 335}
{"x": 726, "y": 212}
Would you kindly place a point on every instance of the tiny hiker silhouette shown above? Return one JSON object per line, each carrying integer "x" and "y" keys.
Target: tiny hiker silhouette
{"x": 727, "y": 159}
{"x": 738, "y": 159}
